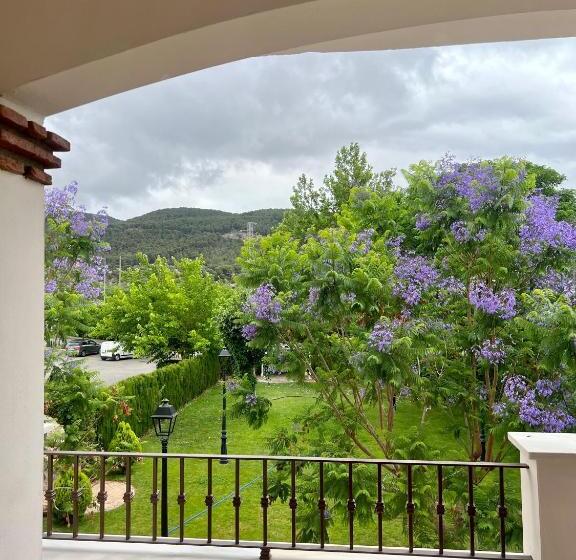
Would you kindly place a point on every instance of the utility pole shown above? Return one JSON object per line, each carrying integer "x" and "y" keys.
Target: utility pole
{"x": 120, "y": 271}
{"x": 250, "y": 229}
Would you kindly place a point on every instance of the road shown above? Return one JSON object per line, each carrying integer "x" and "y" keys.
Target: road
{"x": 111, "y": 372}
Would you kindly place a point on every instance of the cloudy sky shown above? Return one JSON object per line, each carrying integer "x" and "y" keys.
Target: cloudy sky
{"x": 236, "y": 137}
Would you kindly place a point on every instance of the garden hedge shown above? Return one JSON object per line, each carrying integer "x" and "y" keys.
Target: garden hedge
{"x": 179, "y": 383}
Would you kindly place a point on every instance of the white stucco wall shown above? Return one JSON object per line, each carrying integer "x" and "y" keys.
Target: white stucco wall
{"x": 21, "y": 366}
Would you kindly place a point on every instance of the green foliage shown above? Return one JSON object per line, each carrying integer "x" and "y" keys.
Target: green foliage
{"x": 186, "y": 233}
{"x": 63, "y": 485}
{"x": 248, "y": 404}
{"x": 124, "y": 440}
{"x": 76, "y": 399}
{"x": 179, "y": 383}
{"x": 164, "y": 310}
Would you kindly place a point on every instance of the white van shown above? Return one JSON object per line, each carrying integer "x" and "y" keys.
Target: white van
{"x": 111, "y": 350}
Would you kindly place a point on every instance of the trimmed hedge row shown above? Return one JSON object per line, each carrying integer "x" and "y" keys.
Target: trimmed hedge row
{"x": 179, "y": 383}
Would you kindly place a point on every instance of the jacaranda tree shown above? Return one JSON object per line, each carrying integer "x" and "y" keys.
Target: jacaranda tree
{"x": 458, "y": 289}
{"x": 74, "y": 262}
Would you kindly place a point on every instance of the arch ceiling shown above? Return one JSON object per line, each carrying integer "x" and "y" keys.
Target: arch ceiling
{"x": 63, "y": 53}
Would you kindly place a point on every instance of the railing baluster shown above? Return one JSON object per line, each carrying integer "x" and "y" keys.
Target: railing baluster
{"x": 502, "y": 513}
{"x": 75, "y": 497}
{"x": 128, "y": 497}
{"x": 50, "y": 494}
{"x": 321, "y": 502}
{"x": 471, "y": 510}
{"x": 293, "y": 502}
{"x": 410, "y": 509}
{"x": 154, "y": 499}
{"x": 102, "y": 495}
{"x": 181, "y": 499}
{"x": 236, "y": 501}
{"x": 209, "y": 501}
{"x": 265, "y": 502}
{"x": 351, "y": 506}
{"x": 380, "y": 507}
{"x": 440, "y": 510}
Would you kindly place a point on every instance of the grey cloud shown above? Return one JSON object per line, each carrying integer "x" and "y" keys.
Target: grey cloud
{"x": 237, "y": 136}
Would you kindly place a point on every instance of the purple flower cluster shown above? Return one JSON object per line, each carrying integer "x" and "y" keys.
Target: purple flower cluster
{"x": 462, "y": 234}
{"x": 414, "y": 274}
{"x": 561, "y": 283}
{"x": 381, "y": 337}
{"x": 313, "y": 295}
{"x": 501, "y": 304}
{"x": 452, "y": 286}
{"x": 395, "y": 242}
{"x": 541, "y": 230}
{"x": 249, "y": 331}
{"x": 423, "y": 221}
{"x": 537, "y": 406}
{"x": 232, "y": 385}
{"x": 492, "y": 351}
{"x": 251, "y": 399}
{"x": 363, "y": 242}
{"x": 348, "y": 297}
{"x": 263, "y": 305}
{"x": 476, "y": 182}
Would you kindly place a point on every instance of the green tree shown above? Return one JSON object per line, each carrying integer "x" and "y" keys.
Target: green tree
{"x": 164, "y": 310}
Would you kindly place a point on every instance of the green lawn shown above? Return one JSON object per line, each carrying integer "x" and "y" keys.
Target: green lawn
{"x": 198, "y": 431}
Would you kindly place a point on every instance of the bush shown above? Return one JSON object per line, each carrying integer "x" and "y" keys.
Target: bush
{"x": 179, "y": 383}
{"x": 63, "y": 499}
{"x": 124, "y": 440}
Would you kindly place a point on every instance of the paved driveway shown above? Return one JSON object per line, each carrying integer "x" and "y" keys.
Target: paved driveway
{"x": 111, "y": 372}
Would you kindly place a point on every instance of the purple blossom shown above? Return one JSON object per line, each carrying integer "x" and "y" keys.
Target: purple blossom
{"x": 232, "y": 385}
{"x": 548, "y": 414}
{"x": 249, "y": 331}
{"x": 561, "y": 283}
{"x": 491, "y": 350}
{"x": 414, "y": 275}
{"x": 476, "y": 182}
{"x": 251, "y": 399}
{"x": 313, "y": 295}
{"x": 348, "y": 297}
{"x": 50, "y": 286}
{"x": 452, "y": 286}
{"x": 541, "y": 230}
{"x": 423, "y": 221}
{"x": 363, "y": 242}
{"x": 480, "y": 235}
{"x": 460, "y": 232}
{"x": 381, "y": 337}
{"x": 263, "y": 304}
{"x": 502, "y": 303}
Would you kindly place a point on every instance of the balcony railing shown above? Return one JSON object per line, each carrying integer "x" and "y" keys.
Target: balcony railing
{"x": 99, "y": 462}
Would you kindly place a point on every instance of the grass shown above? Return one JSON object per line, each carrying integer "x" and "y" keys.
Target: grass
{"x": 198, "y": 431}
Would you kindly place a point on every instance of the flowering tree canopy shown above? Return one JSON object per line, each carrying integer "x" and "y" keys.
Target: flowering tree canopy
{"x": 75, "y": 267}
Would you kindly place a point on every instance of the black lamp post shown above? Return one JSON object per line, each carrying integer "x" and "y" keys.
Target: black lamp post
{"x": 224, "y": 358}
{"x": 164, "y": 420}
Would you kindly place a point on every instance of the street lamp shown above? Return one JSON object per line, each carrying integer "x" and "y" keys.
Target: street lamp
{"x": 224, "y": 359}
{"x": 164, "y": 420}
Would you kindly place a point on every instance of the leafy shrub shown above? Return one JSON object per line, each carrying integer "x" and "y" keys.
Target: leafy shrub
{"x": 179, "y": 383}
{"x": 63, "y": 505}
{"x": 124, "y": 440}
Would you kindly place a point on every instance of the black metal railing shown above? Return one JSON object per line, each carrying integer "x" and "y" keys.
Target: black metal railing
{"x": 403, "y": 468}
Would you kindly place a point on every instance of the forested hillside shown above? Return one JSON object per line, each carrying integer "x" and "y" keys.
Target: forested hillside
{"x": 187, "y": 232}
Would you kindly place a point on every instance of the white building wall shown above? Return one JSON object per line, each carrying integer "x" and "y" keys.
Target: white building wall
{"x": 21, "y": 364}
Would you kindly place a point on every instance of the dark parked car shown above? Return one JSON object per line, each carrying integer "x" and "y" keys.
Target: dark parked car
{"x": 82, "y": 347}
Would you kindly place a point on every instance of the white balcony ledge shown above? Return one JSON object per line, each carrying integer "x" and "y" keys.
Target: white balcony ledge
{"x": 83, "y": 550}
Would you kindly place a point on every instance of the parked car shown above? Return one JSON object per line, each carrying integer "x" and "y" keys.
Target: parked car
{"x": 82, "y": 347}
{"x": 111, "y": 350}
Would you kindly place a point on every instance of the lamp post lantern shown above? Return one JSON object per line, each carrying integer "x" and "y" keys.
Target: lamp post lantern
{"x": 164, "y": 420}
{"x": 224, "y": 359}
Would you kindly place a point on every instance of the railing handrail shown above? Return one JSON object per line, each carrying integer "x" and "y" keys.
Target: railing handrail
{"x": 342, "y": 460}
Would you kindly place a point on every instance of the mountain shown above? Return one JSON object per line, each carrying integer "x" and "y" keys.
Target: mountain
{"x": 187, "y": 232}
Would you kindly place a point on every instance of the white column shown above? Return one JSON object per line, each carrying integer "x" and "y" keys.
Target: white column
{"x": 21, "y": 363}
{"x": 548, "y": 494}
